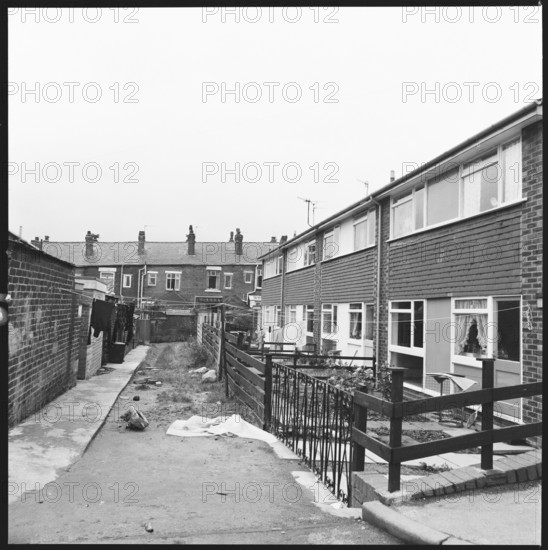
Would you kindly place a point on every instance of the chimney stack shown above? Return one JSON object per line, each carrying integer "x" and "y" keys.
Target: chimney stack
{"x": 238, "y": 242}
{"x": 90, "y": 239}
{"x": 392, "y": 176}
{"x": 272, "y": 239}
{"x": 283, "y": 239}
{"x": 231, "y": 240}
{"x": 141, "y": 244}
{"x": 191, "y": 239}
{"x": 36, "y": 242}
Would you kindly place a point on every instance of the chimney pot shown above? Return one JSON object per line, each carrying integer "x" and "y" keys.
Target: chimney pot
{"x": 231, "y": 237}
{"x": 392, "y": 176}
{"x": 283, "y": 239}
{"x": 46, "y": 238}
{"x": 272, "y": 239}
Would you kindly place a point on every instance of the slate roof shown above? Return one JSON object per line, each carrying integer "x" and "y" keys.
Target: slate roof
{"x": 156, "y": 253}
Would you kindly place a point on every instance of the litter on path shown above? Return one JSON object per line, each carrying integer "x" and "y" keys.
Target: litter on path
{"x": 235, "y": 425}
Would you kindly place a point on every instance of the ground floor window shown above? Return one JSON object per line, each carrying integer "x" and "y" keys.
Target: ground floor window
{"x": 329, "y": 319}
{"x": 309, "y": 319}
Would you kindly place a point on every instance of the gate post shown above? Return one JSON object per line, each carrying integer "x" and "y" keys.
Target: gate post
{"x": 396, "y": 395}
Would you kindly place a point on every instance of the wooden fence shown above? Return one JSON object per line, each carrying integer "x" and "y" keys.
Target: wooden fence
{"x": 249, "y": 379}
{"x": 396, "y": 409}
{"x": 211, "y": 340}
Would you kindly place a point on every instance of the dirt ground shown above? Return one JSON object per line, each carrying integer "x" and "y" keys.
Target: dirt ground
{"x": 218, "y": 490}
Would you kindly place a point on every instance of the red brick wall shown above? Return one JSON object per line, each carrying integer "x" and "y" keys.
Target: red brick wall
{"x": 531, "y": 266}
{"x": 43, "y": 330}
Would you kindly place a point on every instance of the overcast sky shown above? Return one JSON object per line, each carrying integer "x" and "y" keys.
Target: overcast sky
{"x": 380, "y": 89}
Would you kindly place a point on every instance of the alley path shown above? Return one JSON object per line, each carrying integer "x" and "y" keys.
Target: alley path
{"x": 192, "y": 490}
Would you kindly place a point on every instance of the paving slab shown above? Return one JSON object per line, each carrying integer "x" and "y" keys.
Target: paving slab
{"x": 55, "y": 437}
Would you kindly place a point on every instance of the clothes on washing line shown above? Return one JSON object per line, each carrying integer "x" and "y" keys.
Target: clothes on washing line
{"x": 100, "y": 317}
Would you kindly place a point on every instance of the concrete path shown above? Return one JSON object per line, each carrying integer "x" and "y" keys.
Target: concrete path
{"x": 49, "y": 441}
{"x": 216, "y": 490}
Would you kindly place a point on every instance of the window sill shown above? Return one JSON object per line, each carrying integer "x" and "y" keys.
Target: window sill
{"x": 416, "y": 352}
{"x": 295, "y": 269}
{"x": 457, "y": 220}
{"x": 211, "y": 290}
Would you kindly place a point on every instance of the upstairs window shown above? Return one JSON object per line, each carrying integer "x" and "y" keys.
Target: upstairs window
{"x": 127, "y": 281}
{"x": 364, "y": 231}
{"x": 173, "y": 281}
{"x": 212, "y": 280}
{"x": 279, "y": 264}
{"x": 259, "y": 277}
{"x": 331, "y": 243}
{"x": 248, "y": 277}
{"x": 310, "y": 253}
{"x": 228, "y": 281}
{"x": 490, "y": 181}
{"x": 152, "y": 278}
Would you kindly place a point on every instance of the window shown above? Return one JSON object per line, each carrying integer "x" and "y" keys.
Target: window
{"x": 152, "y": 278}
{"x": 442, "y": 201}
{"x": 248, "y": 277}
{"x": 408, "y": 212}
{"x": 173, "y": 280}
{"x": 329, "y": 319}
{"x": 507, "y": 337}
{"x": 331, "y": 243}
{"x": 228, "y": 281}
{"x": 279, "y": 264}
{"x": 127, "y": 281}
{"x": 277, "y": 316}
{"x": 259, "y": 277}
{"x": 407, "y": 324}
{"x": 309, "y": 319}
{"x": 310, "y": 253}
{"x": 364, "y": 231}
{"x": 489, "y": 181}
{"x": 212, "y": 280}
{"x": 108, "y": 278}
{"x": 291, "y": 314}
{"x": 356, "y": 320}
{"x": 369, "y": 322}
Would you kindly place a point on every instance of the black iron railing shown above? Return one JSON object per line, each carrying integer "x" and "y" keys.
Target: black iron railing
{"x": 314, "y": 419}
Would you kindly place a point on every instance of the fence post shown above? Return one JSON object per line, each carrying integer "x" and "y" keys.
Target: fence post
{"x": 396, "y": 395}
{"x": 267, "y": 393}
{"x": 487, "y": 382}
{"x": 295, "y": 357}
{"x": 239, "y": 344}
{"x": 222, "y": 344}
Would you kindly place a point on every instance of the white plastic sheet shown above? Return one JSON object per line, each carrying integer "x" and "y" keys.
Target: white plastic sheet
{"x": 199, "y": 426}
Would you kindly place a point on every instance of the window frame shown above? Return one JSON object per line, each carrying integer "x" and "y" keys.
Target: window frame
{"x": 309, "y": 308}
{"x": 491, "y": 324}
{"x": 211, "y": 273}
{"x": 230, "y": 276}
{"x": 464, "y": 169}
{"x": 333, "y": 309}
{"x": 412, "y": 349}
{"x": 176, "y": 277}
{"x": 130, "y": 276}
{"x": 155, "y": 275}
{"x": 307, "y": 255}
{"x": 353, "y": 311}
{"x": 248, "y": 274}
{"x": 335, "y": 233}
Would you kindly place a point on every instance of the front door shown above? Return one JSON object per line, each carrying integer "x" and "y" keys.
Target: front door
{"x": 507, "y": 351}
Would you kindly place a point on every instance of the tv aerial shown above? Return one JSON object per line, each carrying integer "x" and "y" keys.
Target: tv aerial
{"x": 308, "y": 203}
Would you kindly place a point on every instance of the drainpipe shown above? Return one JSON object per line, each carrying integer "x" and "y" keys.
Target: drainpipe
{"x": 121, "y": 283}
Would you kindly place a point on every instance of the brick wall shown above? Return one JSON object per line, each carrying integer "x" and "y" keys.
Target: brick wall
{"x": 173, "y": 328}
{"x": 531, "y": 258}
{"x": 194, "y": 283}
{"x": 43, "y": 330}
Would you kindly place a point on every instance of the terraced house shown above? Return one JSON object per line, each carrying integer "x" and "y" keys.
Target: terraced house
{"x": 177, "y": 276}
{"x": 431, "y": 272}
